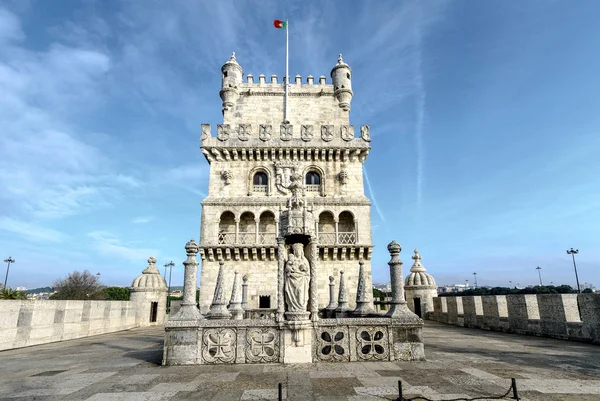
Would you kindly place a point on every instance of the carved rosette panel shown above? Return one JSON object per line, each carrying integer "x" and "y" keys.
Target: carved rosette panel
{"x": 306, "y": 133}
{"x": 327, "y": 132}
{"x": 264, "y": 132}
{"x": 332, "y": 345}
{"x": 262, "y": 345}
{"x": 365, "y": 132}
{"x": 287, "y": 131}
{"x": 347, "y": 132}
{"x": 218, "y": 345}
{"x": 372, "y": 344}
{"x": 223, "y": 133}
{"x": 244, "y": 132}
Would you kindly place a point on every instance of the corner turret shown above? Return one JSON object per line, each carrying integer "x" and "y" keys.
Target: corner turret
{"x": 231, "y": 78}
{"x": 342, "y": 83}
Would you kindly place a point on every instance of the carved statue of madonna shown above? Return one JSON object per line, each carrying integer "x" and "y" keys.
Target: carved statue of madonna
{"x": 297, "y": 278}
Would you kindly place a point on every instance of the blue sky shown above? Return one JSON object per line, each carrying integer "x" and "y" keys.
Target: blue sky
{"x": 484, "y": 118}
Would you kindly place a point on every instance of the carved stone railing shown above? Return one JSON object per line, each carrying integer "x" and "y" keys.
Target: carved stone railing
{"x": 267, "y": 238}
{"x": 226, "y": 238}
{"x": 313, "y": 188}
{"x": 345, "y": 238}
{"x": 259, "y": 188}
{"x": 247, "y": 238}
{"x": 326, "y": 238}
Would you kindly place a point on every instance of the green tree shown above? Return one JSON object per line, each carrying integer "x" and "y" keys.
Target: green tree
{"x": 587, "y": 291}
{"x": 9, "y": 293}
{"x": 78, "y": 285}
{"x": 116, "y": 293}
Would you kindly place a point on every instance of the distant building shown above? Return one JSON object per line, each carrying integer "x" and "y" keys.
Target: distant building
{"x": 21, "y": 288}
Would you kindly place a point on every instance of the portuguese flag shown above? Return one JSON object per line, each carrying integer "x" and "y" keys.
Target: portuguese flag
{"x": 279, "y": 24}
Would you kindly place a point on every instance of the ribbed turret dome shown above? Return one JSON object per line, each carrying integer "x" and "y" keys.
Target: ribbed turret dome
{"x": 150, "y": 279}
{"x": 418, "y": 277}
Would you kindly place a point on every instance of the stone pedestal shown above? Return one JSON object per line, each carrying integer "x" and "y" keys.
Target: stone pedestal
{"x": 189, "y": 312}
{"x": 299, "y": 351}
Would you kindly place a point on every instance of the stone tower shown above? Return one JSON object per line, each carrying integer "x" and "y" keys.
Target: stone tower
{"x": 256, "y": 161}
{"x": 420, "y": 288}
{"x": 149, "y": 293}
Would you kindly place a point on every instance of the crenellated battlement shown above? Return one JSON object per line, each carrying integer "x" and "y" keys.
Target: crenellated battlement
{"x": 262, "y": 80}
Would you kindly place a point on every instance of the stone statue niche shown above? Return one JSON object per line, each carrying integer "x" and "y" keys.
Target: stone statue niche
{"x": 297, "y": 282}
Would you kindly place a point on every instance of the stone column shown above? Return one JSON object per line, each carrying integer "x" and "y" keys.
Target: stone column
{"x": 314, "y": 299}
{"x": 245, "y": 292}
{"x": 235, "y": 304}
{"x": 337, "y": 236}
{"x": 398, "y": 306}
{"x": 237, "y": 231}
{"x": 280, "y": 267}
{"x": 218, "y": 308}
{"x": 256, "y": 229}
{"x": 363, "y": 305}
{"x": 188, "y": 310}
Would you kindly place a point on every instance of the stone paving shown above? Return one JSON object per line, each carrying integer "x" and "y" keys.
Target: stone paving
{"x": 460, "y": 362}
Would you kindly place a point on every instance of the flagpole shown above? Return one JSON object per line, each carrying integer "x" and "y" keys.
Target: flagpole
{"x": 287, "y": 76}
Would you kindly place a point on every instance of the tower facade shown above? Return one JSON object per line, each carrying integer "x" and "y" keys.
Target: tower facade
{"x": 257, "y": 161}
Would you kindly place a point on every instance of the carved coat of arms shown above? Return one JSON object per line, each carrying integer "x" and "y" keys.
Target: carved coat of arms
{"x": 244, "y": 132}
{"x": 347, "y": 132}
{"x": 286, "y": 132}
{"x": 306, "y": 133}
{"x": 264, "y": 132}
{"x": 223, "y": 132}
{"x": 283, "y": 174}
{"x": 365, "y": 133}
{"x": 205, "y": 132}
{"x": 327, "y": 132}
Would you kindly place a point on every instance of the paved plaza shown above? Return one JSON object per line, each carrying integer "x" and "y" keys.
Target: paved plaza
{"x": 460, "y": 362}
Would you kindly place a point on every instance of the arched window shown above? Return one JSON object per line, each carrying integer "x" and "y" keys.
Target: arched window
{"x": 227, "y": 228}
{"x": 313, "y": 181}
{"x": 260, "y": 182}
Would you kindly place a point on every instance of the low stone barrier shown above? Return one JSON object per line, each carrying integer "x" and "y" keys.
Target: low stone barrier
{"x": 24, "y": 323}
{"x": 564, "y": 316}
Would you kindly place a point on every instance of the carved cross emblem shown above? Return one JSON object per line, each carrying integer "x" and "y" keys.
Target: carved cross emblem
{"x": 347, "y": 132}
{"x": 286, "y": 132}
{"x": 220, "y": 345}
{"x": 263, "y": 344}
{"x": 371, "y": 343}
{"x": 205, "y": 132}
{"x": 244, "y": 132}
{"x": 223, "y": 132}
{"x": 365, "y": 133}
{"x": 327, "y": 132}
{"x": 306, "y": 133}
{"x": 264, "y": 132}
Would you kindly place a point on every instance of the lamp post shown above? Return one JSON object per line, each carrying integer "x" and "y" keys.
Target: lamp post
{"x": 571, "y": 252}
{"x": 9, "y": 261}
{"x": 475, "y": 275}
{"x": 170, "y": 266}
{"x": 539, "y": 269}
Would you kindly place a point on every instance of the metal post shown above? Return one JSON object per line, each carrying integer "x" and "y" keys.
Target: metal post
{"x": 571, "y": 252}
{"x": 287, "y": 75}
{"x": 514, "y": 389}
{"x": 9, "y": 261}
{"x": 280, "y": 392}
{"x": 475, "y": 275}
{"x": 170, "y": 266}
{"x": 539, "y": 269}
{"x": 400, "y": 397}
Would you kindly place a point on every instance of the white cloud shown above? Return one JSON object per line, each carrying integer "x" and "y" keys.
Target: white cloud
{"x": 142, "y": 220}
{"x": 10, "y": 26}
{"x": 107, "y": 244}
{"x": 31, "y": 232}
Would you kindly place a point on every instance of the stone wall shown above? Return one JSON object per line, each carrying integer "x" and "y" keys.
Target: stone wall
{"x": 565, "y": 316}
{"x": 26, "y": 323}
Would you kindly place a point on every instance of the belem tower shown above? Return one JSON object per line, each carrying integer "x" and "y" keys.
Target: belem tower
{"x": 285, "y": 241}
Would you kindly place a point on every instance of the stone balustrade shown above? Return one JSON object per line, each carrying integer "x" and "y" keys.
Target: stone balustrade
{"x": 564, "y": 316}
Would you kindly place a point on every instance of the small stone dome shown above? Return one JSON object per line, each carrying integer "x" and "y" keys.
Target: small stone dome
{"x": 418, "y": 277}
{"x": 150, "y": 279}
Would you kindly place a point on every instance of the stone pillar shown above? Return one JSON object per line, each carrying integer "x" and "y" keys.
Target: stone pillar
{"x": 314, "y": 298}
{"x": 280, "y": 278}
{"x": 363, "y": 305}
{"x": 343, "y": 307}
{"x": 188, "y": 310}
{"x": 332, "y": 304}
{"x": 256, "y": 229}
{"x": 235, "y": 304}
{"x": 398, "y": 307}
{"x": 237, "y": 230}
{"x": 218, "y": 308}
{"x": 336, "y": 221}
{"x": 245, "y": 292}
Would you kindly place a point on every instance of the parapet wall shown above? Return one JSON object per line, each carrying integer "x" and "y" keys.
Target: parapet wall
{"x": 26, "y": 323}
{"x": 565, "y": 316}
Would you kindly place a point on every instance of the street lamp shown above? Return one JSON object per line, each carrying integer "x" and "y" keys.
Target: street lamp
{"x": 571, "y": 252}
{"x": 170, "y": 266}
{"x": 539, "y": 269}
{"x": 9, "y": 261}
{"x": 475, "y": 275}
